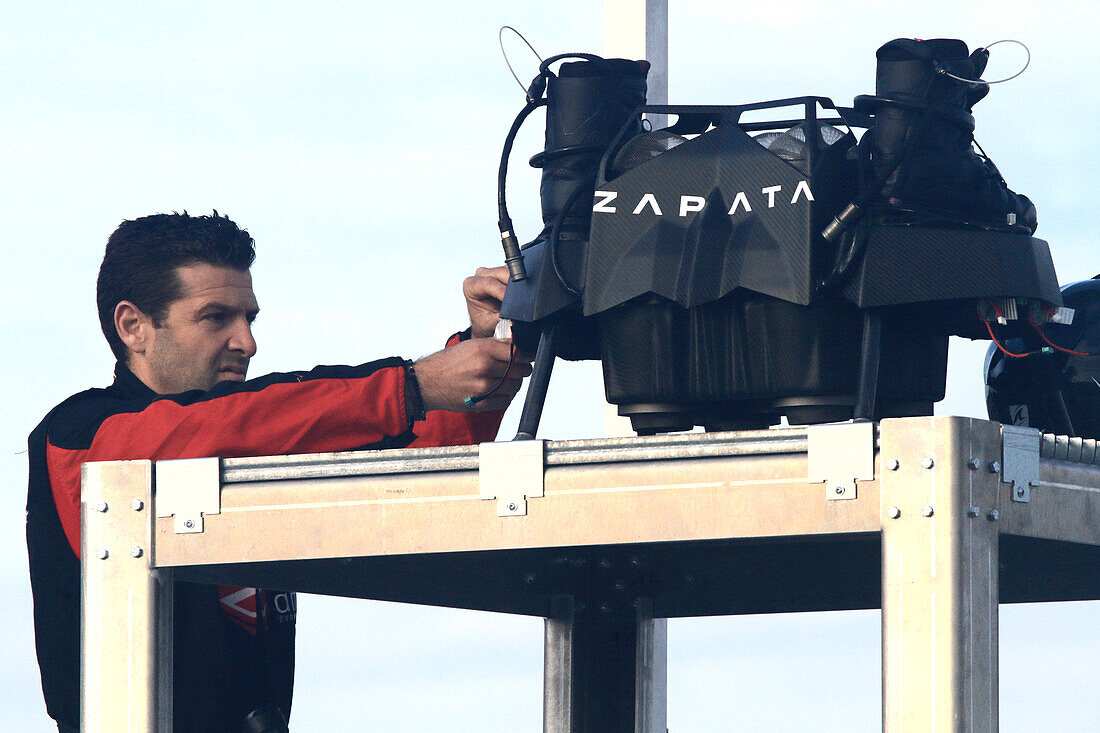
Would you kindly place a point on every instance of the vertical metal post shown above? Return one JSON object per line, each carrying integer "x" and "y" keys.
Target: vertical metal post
{"x": 651, "y": 671}
{"x": 638, "y": 29}
{"x": 126, "y": 605}
{"x": 604, "y": 669}
{"x": 939, "y": 508}
{"x": 557, "y": 667}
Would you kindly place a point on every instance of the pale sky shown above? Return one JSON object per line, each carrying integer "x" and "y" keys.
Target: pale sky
{"x": 358, "y": 143}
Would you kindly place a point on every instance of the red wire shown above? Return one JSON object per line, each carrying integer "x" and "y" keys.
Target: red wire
{"x": 1005, "y": 351}
{"x": 1050, "y": 343}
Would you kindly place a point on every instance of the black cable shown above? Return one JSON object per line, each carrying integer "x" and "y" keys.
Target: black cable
{"x": 512, "y": 255}
{"x": 555, "y": 233}
{"x": 474, "y": 399}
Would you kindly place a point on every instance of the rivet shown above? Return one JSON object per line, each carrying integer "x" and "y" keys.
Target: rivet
{"x": 100, "y": 506}
{"x": 893, "y": 512}
{"x": 190, "y": 524}
{"x": 974, "y": 511}
{"x": 994, "y": 467}
{"x": 926, "y": 510}
{"x": 893, "y": 464}
{"x": 993, "y": 515}
{"x": 136, "y": 551}
{"x": 838, "y": 490}
{"x": 1020, "y": 491}
{"x": 974, "y": 464}
{"x": 137, "y": 505}
{"x": 512, "y": 506}
{"x": 927, "y": 462}
{"x": 102, "y": 554}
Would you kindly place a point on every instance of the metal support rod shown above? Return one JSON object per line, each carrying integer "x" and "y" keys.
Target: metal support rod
{"x": 869, "y": 355}
{"x": 536, "y": 386}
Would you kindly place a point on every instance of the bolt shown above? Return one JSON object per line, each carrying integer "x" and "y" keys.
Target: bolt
{"x": 893, "y": 512}
{"x": 635, "y": 562}
{"x": 926, "y": 510}
{"x": 1020, "y": 491}
{"x": 838, "y": 490}
{"x": 137, "y": 505}
{"x": 993, "y": 515}
{"x": 136, "y": 551}
{"x": 605, "y": 608}
{"x": 102, "y": 554}
{"x": 190, "y": 524}
{"x": 530, "y": 578}
{"x": 994, "y": 467}
{"x": 927, "y": 462}
{"x": 974, "y": 464}
{"x": 605, "y": 563}
{"x": 512, "y": 506}
{"x": 974, "y": 511}
{"x": 620, "y": 585}
{"x": 100, "y": 506}
{"x": 893, "y": 464}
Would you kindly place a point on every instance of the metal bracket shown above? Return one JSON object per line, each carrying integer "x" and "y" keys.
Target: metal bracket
{"x": 511, "y": 472}
{"x": 188, "y": 488}
{"x": 1020, "y": 460}
{"x": 840, "y": 455}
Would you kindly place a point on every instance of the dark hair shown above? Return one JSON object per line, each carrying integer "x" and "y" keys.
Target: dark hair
{"x": 142, "y": 255}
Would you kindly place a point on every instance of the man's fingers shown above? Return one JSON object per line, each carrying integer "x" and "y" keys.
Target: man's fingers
{"x": 481, "y": 289}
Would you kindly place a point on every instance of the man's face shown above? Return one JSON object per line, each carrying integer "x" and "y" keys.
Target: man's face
{"x": 206, "y": 337}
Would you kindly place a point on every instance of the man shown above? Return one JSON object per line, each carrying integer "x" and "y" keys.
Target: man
{"x": 176, "y": 305}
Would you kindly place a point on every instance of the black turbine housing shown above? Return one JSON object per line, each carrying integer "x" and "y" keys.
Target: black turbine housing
{"x": 1053, "y": 390}
{"x": 587, "y": 104}
{"x": 728, "y": 273}
{"x": 715, "y": 293}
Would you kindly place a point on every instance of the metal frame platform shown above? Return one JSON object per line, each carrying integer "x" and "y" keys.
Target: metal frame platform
{"x": 935, "y": 520}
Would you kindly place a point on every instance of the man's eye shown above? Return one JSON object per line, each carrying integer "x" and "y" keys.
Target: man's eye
{"x": 214, "y": 317}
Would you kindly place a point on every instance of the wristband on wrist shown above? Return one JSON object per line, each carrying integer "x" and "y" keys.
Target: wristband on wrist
{"x": 414, "y": 401}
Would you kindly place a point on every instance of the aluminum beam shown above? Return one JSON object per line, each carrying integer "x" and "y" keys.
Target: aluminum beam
{"x": 126, "y": 628}
{"x": 698, "y": 524}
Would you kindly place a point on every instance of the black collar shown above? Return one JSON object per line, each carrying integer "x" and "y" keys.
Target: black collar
{"x": 128, "y": 383}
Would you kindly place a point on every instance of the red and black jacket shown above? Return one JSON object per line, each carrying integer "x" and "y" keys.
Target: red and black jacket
{"x": 234, "y": 652}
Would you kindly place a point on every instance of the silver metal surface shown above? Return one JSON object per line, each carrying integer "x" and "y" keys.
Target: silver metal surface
{"x": 939, "y": 579}
{"x": 557, "y": 667}
{"x": 939, "y": 571}
{"x": 1063, "y": 448}
{"x": 841, "y": 455}
{"x": 126, "y": 629}
{"x": 188, "y": 489}
{"x": 557, "y": 453}
{"x": 651, "y": 671}
{"x": 511, "y": 472}
{"x": 1021, "y": 460}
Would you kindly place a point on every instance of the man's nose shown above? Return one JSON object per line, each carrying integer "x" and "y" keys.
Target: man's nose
{"x": 243, "y": 341}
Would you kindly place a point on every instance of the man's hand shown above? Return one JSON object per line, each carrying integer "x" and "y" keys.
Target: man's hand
{"x": 468, "y": 369}
{"x": 484, "y": 293}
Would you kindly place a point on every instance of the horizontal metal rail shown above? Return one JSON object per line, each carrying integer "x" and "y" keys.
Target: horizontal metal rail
{"x": 558, "y": 453}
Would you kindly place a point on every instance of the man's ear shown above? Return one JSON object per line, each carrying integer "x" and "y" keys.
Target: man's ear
{"x": 133, "y": 326}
